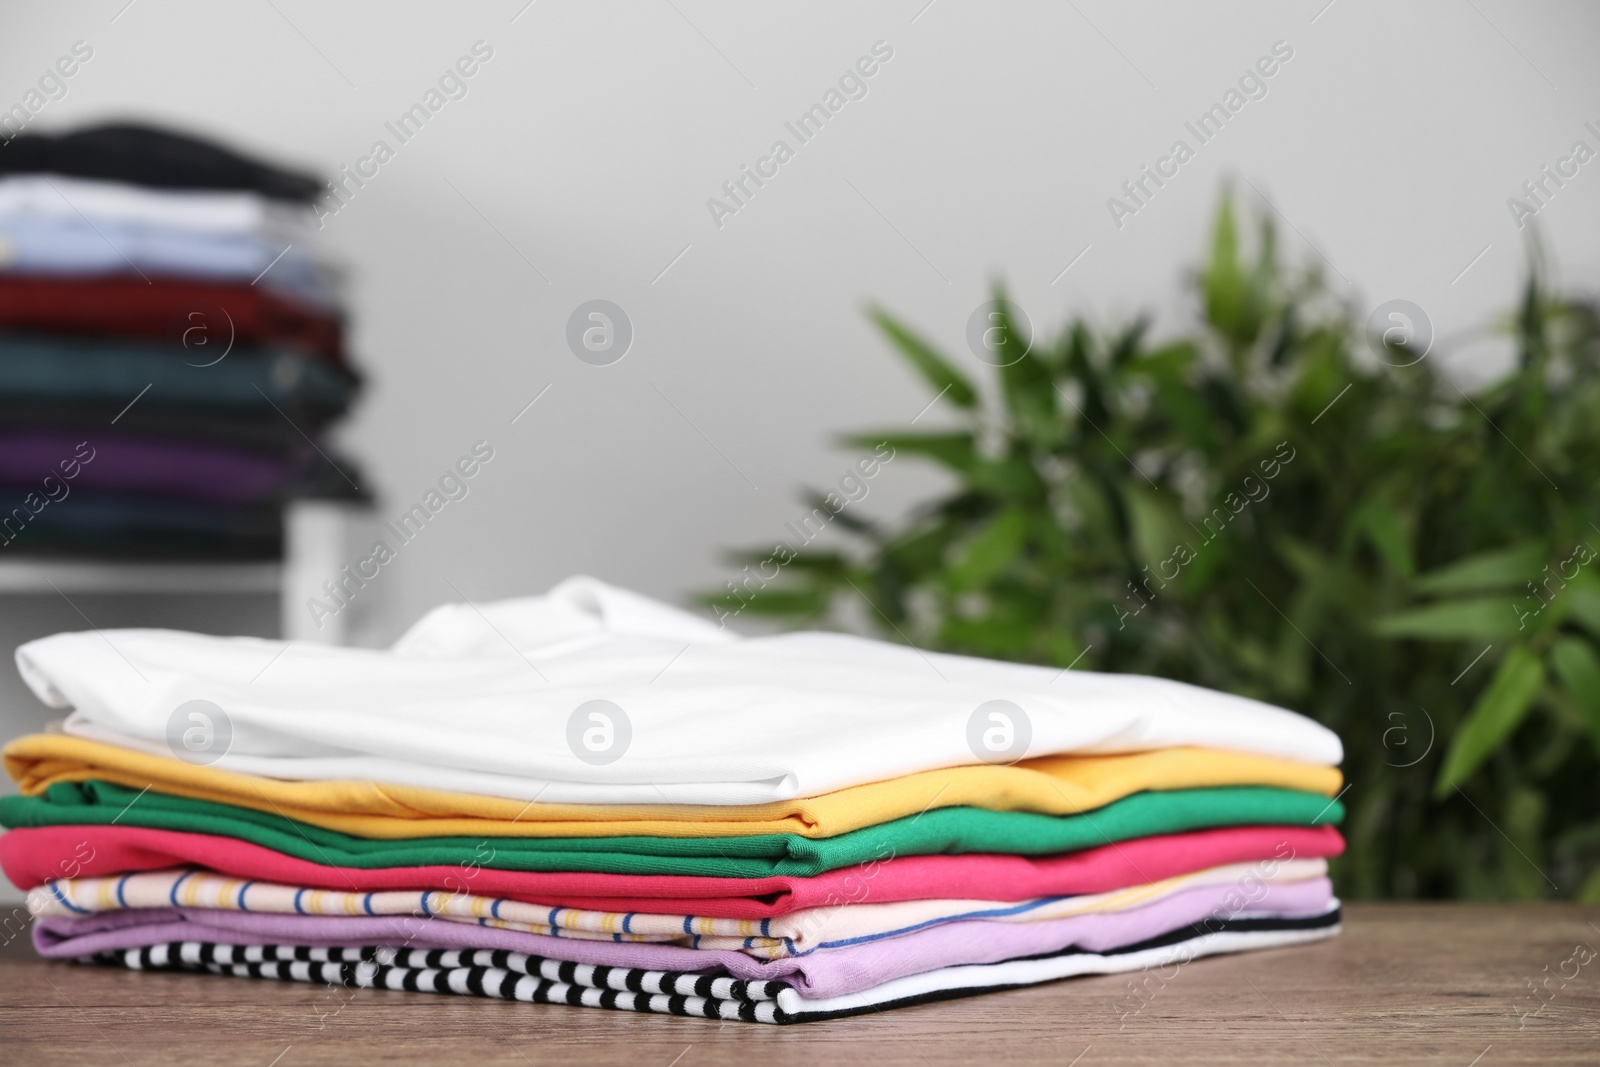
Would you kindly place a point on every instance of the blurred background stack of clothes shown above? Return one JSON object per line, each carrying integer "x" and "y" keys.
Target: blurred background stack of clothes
{"x": 171, "y": 349}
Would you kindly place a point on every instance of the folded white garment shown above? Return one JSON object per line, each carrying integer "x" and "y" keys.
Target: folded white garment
{"x": 594, "y": 695}
{"x": 47, "y": 197}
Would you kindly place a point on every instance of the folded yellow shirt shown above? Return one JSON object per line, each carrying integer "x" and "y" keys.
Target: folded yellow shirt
{"x": 1052, "y": 785}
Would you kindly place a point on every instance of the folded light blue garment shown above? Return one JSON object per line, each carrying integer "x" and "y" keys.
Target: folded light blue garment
{"x": 42, "y": 245}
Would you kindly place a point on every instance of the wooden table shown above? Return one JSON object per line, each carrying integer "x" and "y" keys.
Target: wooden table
{"x": 1406, "y": 983}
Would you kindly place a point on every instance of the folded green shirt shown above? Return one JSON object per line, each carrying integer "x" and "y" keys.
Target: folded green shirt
{"x": 948, "y": 831}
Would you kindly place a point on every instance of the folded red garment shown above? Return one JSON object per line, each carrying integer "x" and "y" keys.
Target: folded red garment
{"x": 200, "y": 317}
{"x": 31, "y": 857}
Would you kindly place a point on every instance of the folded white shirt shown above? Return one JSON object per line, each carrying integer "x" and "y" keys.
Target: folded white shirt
{"x": 485, "y": 700}
{"x": 215, "y": 212}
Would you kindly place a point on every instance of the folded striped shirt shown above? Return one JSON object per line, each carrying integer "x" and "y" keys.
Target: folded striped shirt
{"x": 837, "y": 971}
{"x": 507, "y": 977}
{"x": 795, "y": 934}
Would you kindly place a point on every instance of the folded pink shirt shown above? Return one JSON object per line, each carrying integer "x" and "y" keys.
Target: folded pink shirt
{"x": 33, "y": 856}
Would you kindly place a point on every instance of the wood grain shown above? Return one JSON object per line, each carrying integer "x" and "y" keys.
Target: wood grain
{"x": 1406, "y": 983}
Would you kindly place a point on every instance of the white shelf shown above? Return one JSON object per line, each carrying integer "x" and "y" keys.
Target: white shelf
{"x": 317, "y": 538}
{"x": 81, "y": 576}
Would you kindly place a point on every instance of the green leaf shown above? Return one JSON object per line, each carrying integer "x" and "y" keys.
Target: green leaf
{"x": 955, "y": 450}
{"x": 1155, "y": 525}
{"x": 1026, "y": 383}
{"x": 826, "y": 563}
{"x": 844, "y": 516}
{"x": 933, "y": 366}
{"x": 1578, "y": 668}
{"x": 990, "y": 552}
{"x": 1497, "y": 713}
{"x": 1126, "y": 346}
{"x": 1010, "y": 346}
{"x": 1486, "y": 618}
{"x": 1305, "y": 560}
{"x": 1583, "y": 604}
{"x": 921, "y": 550}
{"x": 1093, "y": 507}
{"x": 1224, "y": 280}
{"x": 1386, "y": 529}
{"x": 1171, "y": 362}
{"x": 988, "y": 637}
{"x": 1232, "y": 296}
{"x": 1524, "y": 818}
{"x": 1503, "y": 568}
{"x": 771, "y": 603}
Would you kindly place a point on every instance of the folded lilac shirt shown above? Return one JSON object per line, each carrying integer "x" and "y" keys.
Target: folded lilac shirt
{"x": 828, "y": 973}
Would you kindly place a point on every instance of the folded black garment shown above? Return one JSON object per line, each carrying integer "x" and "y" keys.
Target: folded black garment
{"x": 117, "y": 526}
{"x": 109, "y": 373}
{"x": 148, "y": 155}
{"x": 333, "y": 476}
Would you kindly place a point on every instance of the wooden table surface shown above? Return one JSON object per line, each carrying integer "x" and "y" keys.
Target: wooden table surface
{"x": 1405, "y": 983}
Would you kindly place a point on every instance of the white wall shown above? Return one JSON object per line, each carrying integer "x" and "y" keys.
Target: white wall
{"x": 580, "y": 162}
{"x": 989, "y": 143}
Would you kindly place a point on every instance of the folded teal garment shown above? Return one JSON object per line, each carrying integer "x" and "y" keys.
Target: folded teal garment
{"x": 166, "y": 375}
{"x": 132, "y": 526}
{"x": 947, "y": 831}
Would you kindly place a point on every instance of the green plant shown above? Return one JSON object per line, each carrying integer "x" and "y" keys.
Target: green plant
{"x": 1263, "y": 507}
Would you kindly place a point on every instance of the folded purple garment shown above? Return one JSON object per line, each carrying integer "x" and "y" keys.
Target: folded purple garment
{"x": 825, "y": 973}
{"x": 128, "y": 463}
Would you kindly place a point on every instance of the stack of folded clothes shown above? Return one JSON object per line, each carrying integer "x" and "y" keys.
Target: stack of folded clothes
{"x": 591, "y": 798}
{"x": 171, "y": 349}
